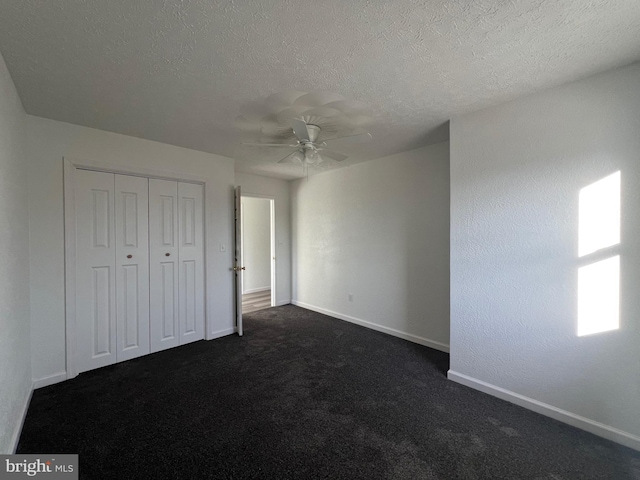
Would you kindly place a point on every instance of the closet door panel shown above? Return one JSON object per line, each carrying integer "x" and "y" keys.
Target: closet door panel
{"x": 163, "y": 258}
{"x": 95, "y": 270}
{"x": 191, "y": 256}
{"x": 132, "y": 266}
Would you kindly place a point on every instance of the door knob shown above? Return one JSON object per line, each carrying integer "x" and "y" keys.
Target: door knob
{"x": 129, "y": 256}
{"x": 167, "y": 254}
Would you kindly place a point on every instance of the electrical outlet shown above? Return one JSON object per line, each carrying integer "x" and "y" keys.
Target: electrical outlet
{"x": 351, "y": 297}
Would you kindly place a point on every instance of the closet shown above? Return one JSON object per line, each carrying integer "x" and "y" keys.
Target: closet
{"x": 139, "y": 266}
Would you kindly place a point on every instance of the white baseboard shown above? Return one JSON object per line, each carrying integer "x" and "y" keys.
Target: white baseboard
{"x": 597, "y": 428}
{"x": 283, "y": 302}
{"x": 221, "y": 333}
{"x": 256, "y": 290}
{"x": 15, "y": 438}
{"x": 374, "y": 326}
{"x": 50, "y": 380}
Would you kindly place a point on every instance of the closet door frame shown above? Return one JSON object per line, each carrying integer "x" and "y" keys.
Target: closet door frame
{"x": 70, "y": 166}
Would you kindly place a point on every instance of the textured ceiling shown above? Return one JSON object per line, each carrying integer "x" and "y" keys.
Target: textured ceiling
{"x": 179, "y": 71}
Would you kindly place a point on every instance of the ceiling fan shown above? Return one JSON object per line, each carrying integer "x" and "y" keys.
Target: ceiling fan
{"x": 310, "y": 147}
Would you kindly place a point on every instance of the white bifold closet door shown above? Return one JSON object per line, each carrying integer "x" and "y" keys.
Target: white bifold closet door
{"x": 112, "y": 268}
{"x": 139, "y": 266}
{"x": 132, "y": 266}
{"x": 191, "y": 266}
{"x": 176, "y": 263}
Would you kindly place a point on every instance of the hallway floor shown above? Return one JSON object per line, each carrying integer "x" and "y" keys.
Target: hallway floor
{"x": 252, "y": 302}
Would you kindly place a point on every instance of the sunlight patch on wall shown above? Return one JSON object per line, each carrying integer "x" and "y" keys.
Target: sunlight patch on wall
{"x": 599, "y": 280}
{"x": 599, "y": 222}
{"x": 598, "y": 296}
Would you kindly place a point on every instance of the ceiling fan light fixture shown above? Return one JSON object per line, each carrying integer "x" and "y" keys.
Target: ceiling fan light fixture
{"x": 298, "y": 158}
{"x": 311, "y": 156}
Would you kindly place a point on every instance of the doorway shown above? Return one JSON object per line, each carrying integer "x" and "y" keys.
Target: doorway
{"x": 258, "y": 253}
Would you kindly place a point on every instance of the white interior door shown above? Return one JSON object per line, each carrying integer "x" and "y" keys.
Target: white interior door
{"x": 132, "y": 266}
{"x": 237, "y": 267}
{"x": 95, "y": 270}
{"x": 163, "y": 264}
{"x": 191, "y": 260}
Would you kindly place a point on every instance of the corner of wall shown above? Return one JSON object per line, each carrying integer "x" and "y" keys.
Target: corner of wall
{"x": 15, "y": 290}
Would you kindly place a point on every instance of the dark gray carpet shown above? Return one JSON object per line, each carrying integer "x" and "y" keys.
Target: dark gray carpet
{"x": 304, "y": 396}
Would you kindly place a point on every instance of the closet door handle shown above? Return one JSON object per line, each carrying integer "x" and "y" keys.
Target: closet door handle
{"x": 167, "y": 254}
{"x": 129, "y": 256}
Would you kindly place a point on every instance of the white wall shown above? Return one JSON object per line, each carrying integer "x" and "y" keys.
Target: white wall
{"x": 516, "y": 172}
{"x": 278, "y": 190}
{"x": 380, "y": 231}
{"x": 15, "y": 363}
{"x": 256, "y": 242}
{"x": 49, "y": 142}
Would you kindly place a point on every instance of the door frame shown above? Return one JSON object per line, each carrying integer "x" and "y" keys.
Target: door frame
{"x": 272, "y": 229}
{"x": 70, "y": 165}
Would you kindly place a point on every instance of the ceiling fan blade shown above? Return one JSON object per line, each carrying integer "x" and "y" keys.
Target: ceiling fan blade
{"x": 288, "y": 158}
{"x": 300, "y": 129}
{"x": 349, "y": 139}
{"x": 321, "y": 112}
{"x": 276, "y": 131}
{"x": 247, "y": 124}
{"x": 350, "y": 107}
{"x": 284, "y": 117}
{"x": 317, "y": 99}
{"x": 281, "y": 145}
{"x": 278, "y": 101}
{"x": 337, "y": 156}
